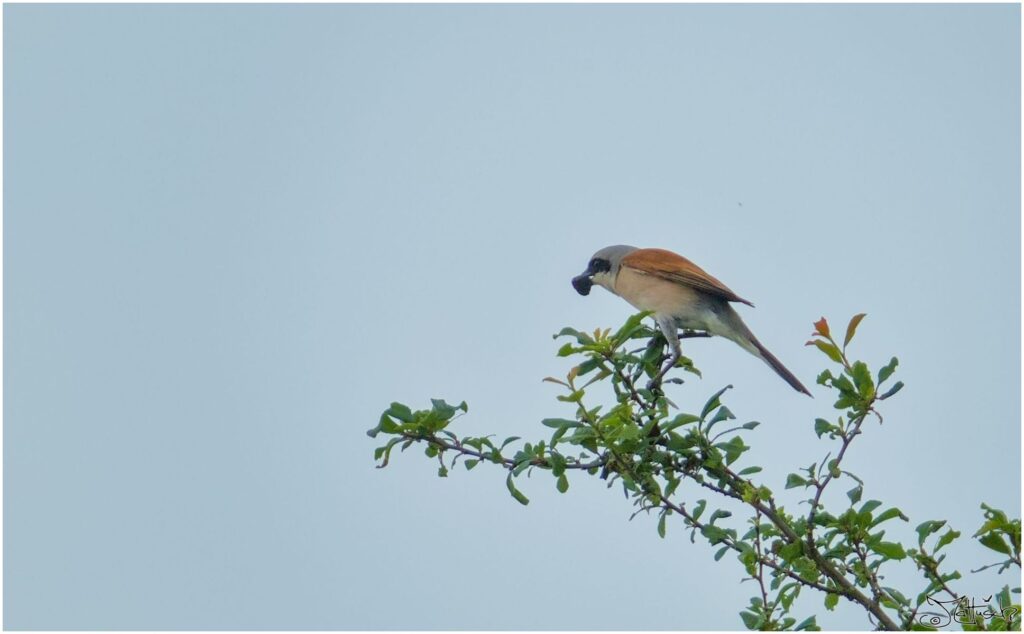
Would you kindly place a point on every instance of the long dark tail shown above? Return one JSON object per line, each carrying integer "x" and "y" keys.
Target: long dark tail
{"x": 739, "y": 333}
{"x": 780, "y": 369}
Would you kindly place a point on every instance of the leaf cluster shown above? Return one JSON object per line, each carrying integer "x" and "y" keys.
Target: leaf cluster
{"x": 690, "y": 468}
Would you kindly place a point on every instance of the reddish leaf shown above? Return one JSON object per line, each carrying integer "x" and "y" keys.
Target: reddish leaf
{"x": 852, "y": 328}
{"x": 821, "y": 327}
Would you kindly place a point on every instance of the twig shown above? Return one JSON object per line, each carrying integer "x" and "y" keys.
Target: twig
{"x": 506, "y": 463}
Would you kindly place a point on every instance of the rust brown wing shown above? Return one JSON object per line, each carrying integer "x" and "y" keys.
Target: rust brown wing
{"x": 676, "y": 268}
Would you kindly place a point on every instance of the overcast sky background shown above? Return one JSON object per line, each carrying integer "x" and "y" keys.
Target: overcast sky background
{"x": 234, "y": 234}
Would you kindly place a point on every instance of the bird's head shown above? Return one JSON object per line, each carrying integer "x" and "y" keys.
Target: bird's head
{"x": 602, "y": 269}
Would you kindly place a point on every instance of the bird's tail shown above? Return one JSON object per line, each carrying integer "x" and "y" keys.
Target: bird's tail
{"x": 776, "y": 365}
{"x": 746, "y": 339}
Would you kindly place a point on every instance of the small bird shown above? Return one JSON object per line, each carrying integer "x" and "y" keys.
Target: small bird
{"x": 680, "y": 294}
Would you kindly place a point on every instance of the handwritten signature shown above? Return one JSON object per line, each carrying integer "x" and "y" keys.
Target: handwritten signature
{"x": 965, "y": 611}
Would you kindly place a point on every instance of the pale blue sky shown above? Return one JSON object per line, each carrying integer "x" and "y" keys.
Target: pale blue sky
{"x": 234, "y": 234}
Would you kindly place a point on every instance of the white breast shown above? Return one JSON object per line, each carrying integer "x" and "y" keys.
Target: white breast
{"x": 648, "y": 292}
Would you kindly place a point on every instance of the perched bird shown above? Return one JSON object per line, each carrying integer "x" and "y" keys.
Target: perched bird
{"x": 680, "y": 294}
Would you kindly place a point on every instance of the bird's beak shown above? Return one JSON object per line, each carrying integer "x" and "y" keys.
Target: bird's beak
{"x": 583, "y": 282}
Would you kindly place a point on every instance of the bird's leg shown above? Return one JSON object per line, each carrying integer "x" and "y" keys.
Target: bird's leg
{"x": 668, "y": 328}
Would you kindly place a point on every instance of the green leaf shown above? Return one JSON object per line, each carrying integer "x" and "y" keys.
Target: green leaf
{"x": 870, "y": 506}
{"x": 633, "y": 324}
{"x": 825, "y": 377}
{"x": 862, "y": 379}
{"x": 385, "y": 451}
{"x": 887, "y": 370}
{"x": 855, "y": 493}
{"x": 806, "y": 568}
{"x": 791, "y": 552}
{"x": 991, "y": 525}
{"x": 470, "y": 463}
{"x": 863, "y": 520}
{"x": 733, "y": 449}
{"x": 588, "y": 366}
{"x": 833, "y": 468}
{"x": 793, "y": 481}
{"x": 698, "y": 509}
{"x": 788, "y": 593}
{"x": 895, "y": 388}
{"x": 843, "y": 383}
{"x": 516, "y": 493}
{"x": 750, "y": 620}
{"x": 831, "y": 601}
{"x": 723, "y": 413}
{"x": 890, "y": 550}
{"x": 897, "y": 596}
{"x": 713, "y": 402}
{"x": 924, "y": 529}
{"x": 947, "y": 538}
{"x": 749, "y": 471}
{"x": 852, "y": 328}
{"x": 442, "y": 472}
{"x": 446, "y": 411}
{"x": 559, "y": 422}
{"x": 995, "y": 542}
{"x": 721, "y": 552}
{"x": 563, "y": 484}
{"x": 385, "y": 424}
{"x": 557, "y": 462}
{"x": 673, "y": 483}
{"x": 719, "y": 514}
{"x": 401, "y": 412}
{"x": 681, "y": 444}
{"x": 828, "y": 348}
{"x": 822, "y": 427}
{"x": 679, "y": 421}
{"x": 574, "y": 397}
{"x": 557, "y": 436}
{"x": 809, "y": 624}
{"x": 751, "y": 425}
{"x": 714, "y": 534}
{"x": 568, "y": 332}
{"x": 888, "y": 515}
{"x": 661, "y": 526}
{"x": 994, "y": 515}
{"x": 1003, "y": 597}
{"x": 845, "y": 402}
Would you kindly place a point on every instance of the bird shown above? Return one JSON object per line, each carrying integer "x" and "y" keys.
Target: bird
{"x": 679, "y": 294}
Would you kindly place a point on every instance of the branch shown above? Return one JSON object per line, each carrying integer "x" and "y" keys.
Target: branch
{"x": 627, "y": 442}
{"x": 506, "y": 463}
{"x": 760, "y": 565}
